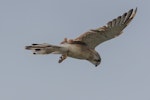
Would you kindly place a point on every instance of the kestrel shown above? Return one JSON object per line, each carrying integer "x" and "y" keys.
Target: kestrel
{"x": 83, "y": 47}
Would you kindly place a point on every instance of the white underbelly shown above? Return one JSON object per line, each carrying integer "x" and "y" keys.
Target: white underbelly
{"x": 78, "y": 51}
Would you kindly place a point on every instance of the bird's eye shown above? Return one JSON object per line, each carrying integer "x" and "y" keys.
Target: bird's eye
{"x": 97, "y": 60}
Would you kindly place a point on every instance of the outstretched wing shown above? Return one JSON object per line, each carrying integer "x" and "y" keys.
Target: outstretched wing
{"x": 113, "y": 28}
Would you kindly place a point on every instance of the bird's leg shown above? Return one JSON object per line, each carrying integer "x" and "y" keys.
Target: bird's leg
{"x": 62, "y": 58}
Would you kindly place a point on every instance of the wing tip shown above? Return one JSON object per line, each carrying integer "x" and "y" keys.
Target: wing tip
{"x": 134, "y": 11}
{"x": 124, "y": 18}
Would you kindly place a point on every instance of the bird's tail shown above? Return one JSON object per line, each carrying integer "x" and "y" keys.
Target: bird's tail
{"x": 44, "y": 48}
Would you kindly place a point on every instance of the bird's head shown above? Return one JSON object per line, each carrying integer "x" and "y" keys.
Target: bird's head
{"x": 96, "y": 59}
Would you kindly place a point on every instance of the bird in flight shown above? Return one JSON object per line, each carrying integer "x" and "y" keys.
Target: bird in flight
{"x": 83, "y": 47}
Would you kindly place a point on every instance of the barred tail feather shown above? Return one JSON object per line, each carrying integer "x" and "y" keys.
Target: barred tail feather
{"x": 43, "y": 48}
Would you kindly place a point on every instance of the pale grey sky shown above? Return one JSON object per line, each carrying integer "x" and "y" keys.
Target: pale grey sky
{"x": 122, "y": 75}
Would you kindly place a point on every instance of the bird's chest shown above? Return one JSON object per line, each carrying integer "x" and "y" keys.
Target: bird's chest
{"x": 78, "y": 51}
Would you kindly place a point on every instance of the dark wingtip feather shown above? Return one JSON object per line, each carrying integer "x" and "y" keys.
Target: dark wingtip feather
{"x": 135, "y": 9}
